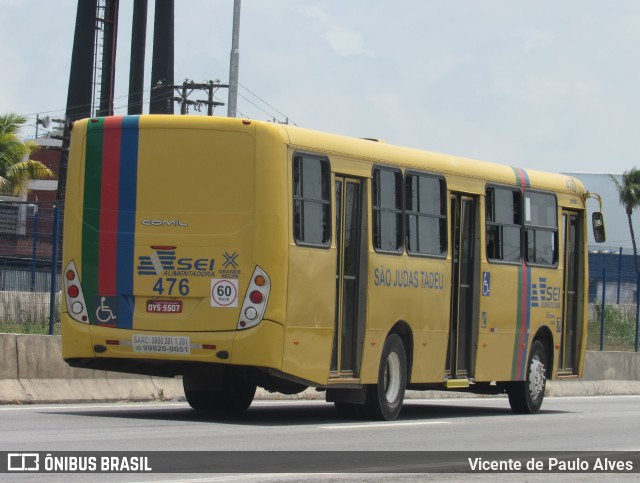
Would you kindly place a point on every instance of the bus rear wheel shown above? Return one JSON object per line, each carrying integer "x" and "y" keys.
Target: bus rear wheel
{"x": 525, "y": 397}
{"x": 384, "y": 400}
{"x": 233, "y": 393}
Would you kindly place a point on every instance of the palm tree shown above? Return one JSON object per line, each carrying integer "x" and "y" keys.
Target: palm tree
{"x": 16, "y": 169}
{"x": 629, "y": 192}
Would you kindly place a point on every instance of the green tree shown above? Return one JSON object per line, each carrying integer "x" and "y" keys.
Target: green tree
{"x": 629, "y": 193}
{"x": 16, "y": 169}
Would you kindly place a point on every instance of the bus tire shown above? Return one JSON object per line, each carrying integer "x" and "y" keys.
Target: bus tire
{"x": 235, "y": 395}
{"x": 197, "y": 399}
{"x": 238, "y": 396}
{"x": 349, "y": 410}
{"x": 525, "y": 397}
{"x": 384, "y": 400}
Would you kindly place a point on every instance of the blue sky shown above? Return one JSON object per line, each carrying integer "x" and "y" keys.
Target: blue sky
{"x": 550, "y": 85}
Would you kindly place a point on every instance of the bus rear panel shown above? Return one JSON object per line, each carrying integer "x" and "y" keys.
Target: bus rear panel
{"x": 159, "y": 246}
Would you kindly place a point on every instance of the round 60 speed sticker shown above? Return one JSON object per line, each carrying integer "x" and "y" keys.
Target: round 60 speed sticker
{"x": 224, "y": 292}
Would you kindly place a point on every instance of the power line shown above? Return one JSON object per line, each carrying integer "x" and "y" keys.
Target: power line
{"x": 265, "y": 102}
{"x": 147, "y": 100}
{"x": 33, "y": 114}
{"x": 256, "y": 106}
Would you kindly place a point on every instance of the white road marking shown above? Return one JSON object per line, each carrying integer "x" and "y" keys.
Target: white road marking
{"x": 110, "y": 406}
{"x": 382, "y": 425}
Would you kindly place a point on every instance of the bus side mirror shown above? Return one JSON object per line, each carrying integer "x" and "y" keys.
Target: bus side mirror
{"x": 597, "y": 220}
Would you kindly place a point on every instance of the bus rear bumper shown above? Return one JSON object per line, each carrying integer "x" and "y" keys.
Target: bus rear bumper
{"x": 260, "y": 346}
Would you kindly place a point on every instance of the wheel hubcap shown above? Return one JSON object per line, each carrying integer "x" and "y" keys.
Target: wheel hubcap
{"x": 392, "y": 377}
{"x": 536, "y": 378}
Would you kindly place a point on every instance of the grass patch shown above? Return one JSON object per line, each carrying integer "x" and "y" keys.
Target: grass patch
{"x": 619, "y": 329}
{"x": 41, "y": 327}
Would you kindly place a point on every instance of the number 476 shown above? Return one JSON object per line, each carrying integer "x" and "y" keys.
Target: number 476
{"x": 170, "y": 284}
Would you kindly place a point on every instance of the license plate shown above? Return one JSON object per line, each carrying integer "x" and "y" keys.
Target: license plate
{"x": 161, "y": 344}
{"x": 164, "y": 306}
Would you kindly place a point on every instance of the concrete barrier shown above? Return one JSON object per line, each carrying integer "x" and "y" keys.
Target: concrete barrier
{"x": 612, "y": 366}
{"x": 32, "y": 371}
{"x": 8, "y": 357}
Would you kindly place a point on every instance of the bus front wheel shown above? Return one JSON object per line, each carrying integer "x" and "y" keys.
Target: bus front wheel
{"x": 525, "y": 397}
{"x": 384, "y": 400}
{"x": 235, "y": 394}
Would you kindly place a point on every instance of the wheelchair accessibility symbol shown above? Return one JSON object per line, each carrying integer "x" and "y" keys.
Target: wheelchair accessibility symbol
{"x": 486, "y": 284}
{"x": 107, "y": 309}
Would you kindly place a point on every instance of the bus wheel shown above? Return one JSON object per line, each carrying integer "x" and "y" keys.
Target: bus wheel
{"x": 235, "y": 395}
{"x": 525, "y": 397}
{"x": 384, "y": 400}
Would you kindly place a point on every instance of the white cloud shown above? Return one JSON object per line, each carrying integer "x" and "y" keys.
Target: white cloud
{"x": 345, "y": 42}
{"x": 314, "y": 12}
{"x": 536, "y": 39}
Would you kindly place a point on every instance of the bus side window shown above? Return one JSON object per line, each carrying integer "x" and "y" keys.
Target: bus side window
{"x": 426, "y": 215}
{"x": 387, "y": 210}
{"x": 504, "y": 228}
{"x": 311, "y": 201}
{"x": 541, "y": 228}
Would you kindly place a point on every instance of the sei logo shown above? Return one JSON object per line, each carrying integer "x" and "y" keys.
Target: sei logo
{"x": 545, "y": 295}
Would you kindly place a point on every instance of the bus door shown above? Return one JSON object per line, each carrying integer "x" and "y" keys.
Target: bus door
{"x": 464, "y": 256}
{"x": 348, "y": 335}
{"x": 570, "y": 327}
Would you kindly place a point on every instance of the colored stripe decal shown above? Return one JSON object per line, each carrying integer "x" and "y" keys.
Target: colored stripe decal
{"x": 127, "y": 218}
{"x": 523, "y": 315}
{"x": 109, "y": 214}
{"x": 521, "y": 343}
{"x": 522, "y": 178}
{"x": 109, "y": 206}
{"x": 91, "y": 212}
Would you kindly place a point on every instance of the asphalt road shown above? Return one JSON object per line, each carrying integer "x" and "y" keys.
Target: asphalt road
{"x": 571, "y": 424}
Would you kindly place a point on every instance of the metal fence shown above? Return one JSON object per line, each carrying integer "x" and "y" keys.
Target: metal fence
{"x": 30, "y": 254}
{"x": 614, "y": 300}
{"x": 30, "y": 257}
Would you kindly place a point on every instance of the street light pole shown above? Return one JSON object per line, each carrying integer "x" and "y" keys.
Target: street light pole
{"x": 234, "y": 61}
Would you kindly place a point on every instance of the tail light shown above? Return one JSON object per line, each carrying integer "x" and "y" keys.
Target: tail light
{"x": 255, "y": 300}
{"x": 76, "y": 306}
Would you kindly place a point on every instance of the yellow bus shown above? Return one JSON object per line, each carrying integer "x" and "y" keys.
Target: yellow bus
{"x": 241, "y": 254}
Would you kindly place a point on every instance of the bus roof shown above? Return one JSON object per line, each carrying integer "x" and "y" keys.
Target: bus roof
{"x": 381, "y": 152}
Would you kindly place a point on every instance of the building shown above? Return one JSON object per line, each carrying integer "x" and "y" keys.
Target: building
{"x": 27, "y": 227}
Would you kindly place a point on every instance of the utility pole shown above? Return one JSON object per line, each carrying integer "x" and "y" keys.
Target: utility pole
{"x": 234, "y": 61}
{"x": 187, "y": 88}
{"x": 162, "y": 59}
{"x": 136, "y": 65}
